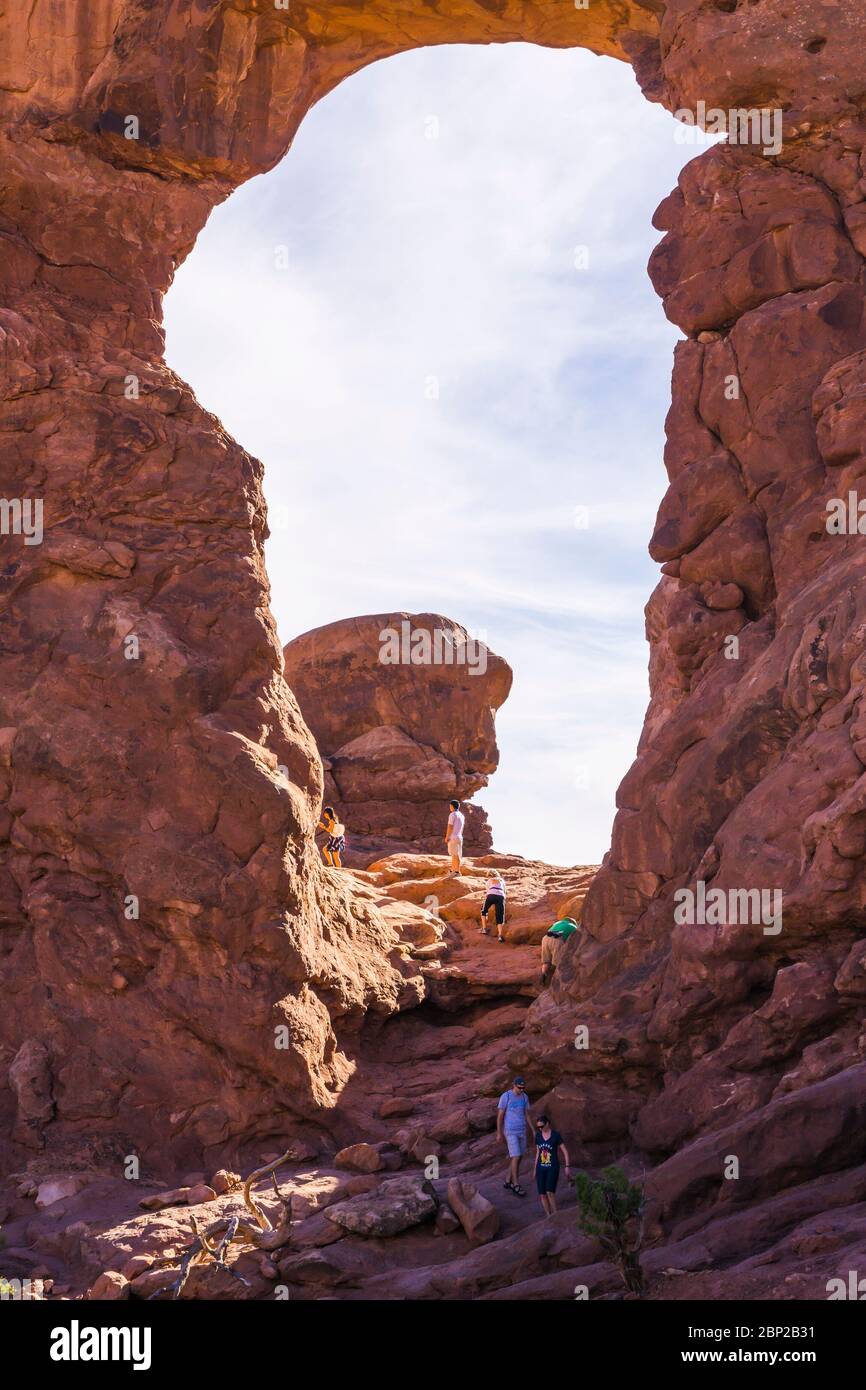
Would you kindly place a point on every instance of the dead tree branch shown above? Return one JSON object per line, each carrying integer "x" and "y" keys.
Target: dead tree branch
{"x": 216, "y": 1240}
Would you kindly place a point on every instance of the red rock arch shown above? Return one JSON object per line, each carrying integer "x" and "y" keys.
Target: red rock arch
{"x": 155, "y": 773}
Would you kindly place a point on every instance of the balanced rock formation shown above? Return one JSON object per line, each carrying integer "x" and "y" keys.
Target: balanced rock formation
{"x": 163, "y": 910}
{"x": 401, "y": 707}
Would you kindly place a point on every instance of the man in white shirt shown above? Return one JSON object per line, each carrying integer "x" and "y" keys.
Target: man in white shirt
{"x": 454, "y": 836}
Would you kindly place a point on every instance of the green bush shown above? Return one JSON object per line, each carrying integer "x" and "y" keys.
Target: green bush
{"x": 610, "y": 1210}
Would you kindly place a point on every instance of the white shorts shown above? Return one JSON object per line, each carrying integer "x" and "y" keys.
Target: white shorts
{"x": 455, "y": 848}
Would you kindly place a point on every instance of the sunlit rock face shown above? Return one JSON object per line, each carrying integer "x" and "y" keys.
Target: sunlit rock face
{"x": 401, "y": 706}
{"x": 163, "y": 910}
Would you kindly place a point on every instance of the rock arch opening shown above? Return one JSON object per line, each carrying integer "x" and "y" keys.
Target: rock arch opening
{"x": 436, "y": 330}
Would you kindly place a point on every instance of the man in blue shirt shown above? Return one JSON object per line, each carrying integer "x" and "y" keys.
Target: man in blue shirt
{"x": 512, "y": 1126}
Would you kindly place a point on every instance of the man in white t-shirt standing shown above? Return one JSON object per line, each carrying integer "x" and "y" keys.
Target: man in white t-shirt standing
{"x": 454, "y": 836}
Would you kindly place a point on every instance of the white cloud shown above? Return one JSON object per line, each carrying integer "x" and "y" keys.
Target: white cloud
{"x": 454, "y": 258}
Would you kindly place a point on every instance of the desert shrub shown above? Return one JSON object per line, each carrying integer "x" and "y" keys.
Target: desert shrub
{"x": 610, "y": 1210}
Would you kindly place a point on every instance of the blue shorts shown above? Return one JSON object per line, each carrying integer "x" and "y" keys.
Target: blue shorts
{"x": 546, "y": 1178}
{"x": 516, "y": 1143}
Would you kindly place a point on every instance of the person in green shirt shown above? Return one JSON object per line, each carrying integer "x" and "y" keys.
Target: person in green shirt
{"x": 551, "y": 945}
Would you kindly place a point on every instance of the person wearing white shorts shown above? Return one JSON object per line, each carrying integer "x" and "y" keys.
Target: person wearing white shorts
{"x": 454, "y": 836}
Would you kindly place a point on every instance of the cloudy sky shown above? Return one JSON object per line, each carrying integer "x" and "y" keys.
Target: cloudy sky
{"x": 433, "y": 324}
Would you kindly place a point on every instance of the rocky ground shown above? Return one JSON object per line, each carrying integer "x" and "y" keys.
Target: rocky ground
{"x": 424, "y": 1086}
{"x": 381, "y": 1218}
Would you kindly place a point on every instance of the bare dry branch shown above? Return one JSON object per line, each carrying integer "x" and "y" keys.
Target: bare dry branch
{"x": 216, "y": 1240}
{"x": 250, "y": 1201}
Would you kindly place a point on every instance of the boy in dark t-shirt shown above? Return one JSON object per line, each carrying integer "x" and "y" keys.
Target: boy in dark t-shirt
{"x": 548, "y": 1145}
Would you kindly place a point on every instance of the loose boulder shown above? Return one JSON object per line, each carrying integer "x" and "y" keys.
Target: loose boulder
{"x": 109, "y": 1287}
{"x": 478, "y": 1217}
{"x": 395, "y": 1206}
{"x": 364, "y": 1158}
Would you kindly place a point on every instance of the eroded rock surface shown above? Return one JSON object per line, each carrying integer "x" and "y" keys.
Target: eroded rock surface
{"x": 162, "y": 908}
{"x": 401, "y": 706}
{"x": 425, "y": 1093}
{"x": 742, "y": 1035}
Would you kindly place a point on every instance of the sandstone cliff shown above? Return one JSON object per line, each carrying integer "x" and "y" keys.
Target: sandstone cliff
{"x": 162, "y": 906}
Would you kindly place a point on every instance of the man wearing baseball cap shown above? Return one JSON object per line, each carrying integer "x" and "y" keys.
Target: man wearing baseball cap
{"x": 512, "y": 1126}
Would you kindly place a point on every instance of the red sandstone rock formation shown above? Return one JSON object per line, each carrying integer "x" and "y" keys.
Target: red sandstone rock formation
{"x": 401, "y": 707}
{"x": 740, "y": 1037}
{"x": 425, "y": 1092}
{"x": 414, "y": 1092}
{"x": 143, "y": 712}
